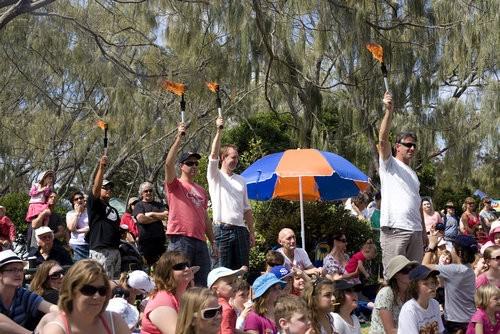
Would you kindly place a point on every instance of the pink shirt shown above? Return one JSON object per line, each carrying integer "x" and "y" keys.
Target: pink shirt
{"x": 432, "y": 220}
{"x": 259, "y": 323}
{"x": 162, "y": 298}
{"x": 187, "y": 209}
{"x": 352, "y": 264}
{"x": 482, "y": 317}
{"x": 7, "y": 229}
{"x": 482, "y": 280}
{"x": 228, "y": 322}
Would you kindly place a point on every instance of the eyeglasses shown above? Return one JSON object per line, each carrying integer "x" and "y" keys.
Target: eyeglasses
{"x": 180, "y": 266}
{"x": 409, "y": 145}
{"x": 90, "y": 290}
{"x": 56, "y": 275}
{"x": 495, "y": 258}
{"x": 147, "y": 191}
{"x": 13, "y": 270}
{"x": 191, "y": 163}
{"x": 78, "y": 198}
{"x": 210, "y": 313}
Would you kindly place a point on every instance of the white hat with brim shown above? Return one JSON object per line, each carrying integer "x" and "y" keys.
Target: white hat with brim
{"x": 8, "y": 256}
{"x": 220, "y": 272}
{"x": 128, "y": 312}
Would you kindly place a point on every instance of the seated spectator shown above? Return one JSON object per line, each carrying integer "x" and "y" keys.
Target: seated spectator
{"x": 299, "y": 282}
{"x": 77, "y": 222}
{"x": 344, "y": 319}
{"x": 84, "y": 294}
{"x": 266, "y": 289}
{"x": 334, "y": 263}
{"x": 295, "y": 257}
{"x": 291, "y": 315}
{"x": 421, "y": 313}
{"x": 356, "y": 262}
{"x": 241, "y": 301}
{"x": 7, "y": 231}
{"x": 458, "y": 280}
{"x": 486, "y": 320}
{"x": 200, "y": 312}
{"x": 17, "y": 303}
{"x": 133, "y": 284}
{"x": 48, "y": 250}
{"x": 47, "y": 281}
{"x": 320, "y": 300}
{"x": 172, "y": 276}
{"x": 282, "y": 273}
{"x": 274, "y": 258}
{"x": 491, "y": 258}
{"x": 391, "y": 298}
{"x": 128, "y": 219}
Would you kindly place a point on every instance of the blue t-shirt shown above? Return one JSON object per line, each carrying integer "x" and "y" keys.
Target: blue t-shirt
{"x": 23, "y": 307}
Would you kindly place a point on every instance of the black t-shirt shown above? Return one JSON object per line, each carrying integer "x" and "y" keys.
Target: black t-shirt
{"x": 153, "y": 230}
{"x": 104, "y": 224}
{"x": 57, "y": 253}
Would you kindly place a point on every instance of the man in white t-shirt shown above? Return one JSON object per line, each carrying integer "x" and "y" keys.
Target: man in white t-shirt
{"x": 295, "y": 257}
{"x": 401, "y": 222}
{"x": 232, "y": 215}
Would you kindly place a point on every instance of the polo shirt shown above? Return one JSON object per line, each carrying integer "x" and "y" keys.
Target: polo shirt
{"x": 23, "y": 307}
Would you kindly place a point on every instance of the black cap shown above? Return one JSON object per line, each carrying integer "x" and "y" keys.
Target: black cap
{"x": 344, "y": 285}
{"x": 421, "y": 272}
{"x": 186, "y": 155}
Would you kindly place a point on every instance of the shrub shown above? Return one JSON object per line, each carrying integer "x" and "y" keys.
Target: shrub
{"x": 16, "y": 205}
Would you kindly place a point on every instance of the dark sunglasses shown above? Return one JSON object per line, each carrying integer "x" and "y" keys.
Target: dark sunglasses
{"x": 210, "y": 313}
{"x": 495, "y": 258}
{"x": 191, "y": 163}
{"x": 148, "y": 191}
{"x": 409, "y": 145}
{"x": 78, "y": 198}
{"x": 57, "y": 275}
{"x": 90, "y": 290}
{"x": 180, "y": 266}
{"x": 107, "y": 188}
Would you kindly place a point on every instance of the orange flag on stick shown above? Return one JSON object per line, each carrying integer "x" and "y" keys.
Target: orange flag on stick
{"x": 174, "y": 87}
{"x": 377, "y": 52}
{"x": 103, "y": 125}
{"x": 214, "y": 87}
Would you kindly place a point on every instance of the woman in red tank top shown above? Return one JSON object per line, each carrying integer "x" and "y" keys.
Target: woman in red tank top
{"x": 470, "y": 219}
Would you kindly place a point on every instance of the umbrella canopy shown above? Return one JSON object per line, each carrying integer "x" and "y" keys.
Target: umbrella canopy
{"x": 304, "y": 174}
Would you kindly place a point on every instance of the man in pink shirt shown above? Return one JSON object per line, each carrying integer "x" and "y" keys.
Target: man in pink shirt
{"x": 188, "y": 225}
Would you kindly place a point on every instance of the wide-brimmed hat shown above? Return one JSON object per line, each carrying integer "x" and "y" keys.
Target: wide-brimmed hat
{"x": 8, "y": 256}
{"x": 396, "y": 264}
{"x": 263, "y": 283}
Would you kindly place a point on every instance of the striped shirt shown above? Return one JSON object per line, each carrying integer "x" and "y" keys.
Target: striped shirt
{"x": 23, "y": 307}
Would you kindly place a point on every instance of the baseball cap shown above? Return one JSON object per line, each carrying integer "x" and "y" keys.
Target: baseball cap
{"x": 107, "y": 183}
{"x": 42, "y": 230}
{"x": 396, "y": 264}
{"x": 128, "y": 312}
{"x": 344, "y": 285}
{"x": 8, "y": 256}
{"x": 465, "y": 241}
{"x": 421, "y": 272}
{"x": 186, "y": 155}
{"x": 220, "y": 272}
{"x": 263, "y": 283}
{"x": 281, "y": 272}
{"x": 139, "y": 280}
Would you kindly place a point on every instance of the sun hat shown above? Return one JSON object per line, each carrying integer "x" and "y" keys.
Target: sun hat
{"x": 396, "y": 264}
{"x": 220, "y": 272}
{"x": 281, "y": 272}
{"x": 128, "y": 312}
{"x": 139, "y": 280}
{"x": 421, "y": 272}
{"x": 263, "y": 283}
{"x": 42, "y": 230}
{"x": 8, "y": 256}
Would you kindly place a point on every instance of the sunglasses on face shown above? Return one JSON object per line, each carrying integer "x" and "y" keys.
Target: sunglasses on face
{"x": 180, "y": 266}
{"x": 191, "y": 163}
{"x": 409, "y": 145}
{"x": 107, "y": 188}
{"x": 56, "y": 275}
{"x": 495, "y": 258}
{"x": 147, "y": 191}
{"x": 90, "y": 290}
{"x": 210, "y": 313}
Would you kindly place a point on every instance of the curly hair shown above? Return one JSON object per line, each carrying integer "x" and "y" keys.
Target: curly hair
{"x": 163, "y": 274}
{"x": 40, "y": 282}
{"x": 81, "y": 273}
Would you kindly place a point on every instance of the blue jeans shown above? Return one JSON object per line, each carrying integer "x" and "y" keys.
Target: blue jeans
{"x": 197, "y": 253}
{"x": 80, "y": 252}
{"x": 234, "y": 246}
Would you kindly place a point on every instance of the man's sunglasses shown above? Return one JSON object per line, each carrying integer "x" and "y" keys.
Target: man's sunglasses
{"x": 191, "y": 163}
{"x": 90, "y": 290}
{"x": 107, "y": 188}
{"x": 180, "y": 266}
{"x": 409, "y": 145}
{"x": 210, "y": 313}
{"x": 57, "y": 275}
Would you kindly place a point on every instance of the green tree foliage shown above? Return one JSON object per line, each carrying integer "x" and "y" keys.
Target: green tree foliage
{"x": 16, "y": 206}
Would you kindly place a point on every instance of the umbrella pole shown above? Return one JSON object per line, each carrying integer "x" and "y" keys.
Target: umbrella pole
{"x": 302, "y": 228}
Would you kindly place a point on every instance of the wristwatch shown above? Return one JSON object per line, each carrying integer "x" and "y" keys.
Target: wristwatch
{"x": 429, "y": 250}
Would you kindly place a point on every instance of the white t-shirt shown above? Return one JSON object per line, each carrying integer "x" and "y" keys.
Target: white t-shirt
{"x": 83, "y": 221}
{"x": 300, "y": 259}
{"x": 228, "y": 195}
{"x": 342, "y": 327}
{"x": 414, "y": 319}
{"x": 400, "y": 206}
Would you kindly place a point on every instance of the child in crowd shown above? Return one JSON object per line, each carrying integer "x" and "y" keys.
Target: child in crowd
{"x": 7, "y": 231}
{"x": 490, "y": 261}
{"x": 291, "y": 315}
{"x": 282, "y": 273}
{"x": 344, "y": 319}
{"x": 445, "y": 257}
{"x": 273, "y": 259}
{"x": 39, "y": 194}
{"x": 486, "y": 320}
{"x": 321, "y": 302}
{"x": 357, "y": 260}
{"x": 241, "y": 301}
{"x": 221, "y": 281}
{"x": 266, "y": 289}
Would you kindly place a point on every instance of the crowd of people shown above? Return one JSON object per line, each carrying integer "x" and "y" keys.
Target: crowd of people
{"x": 159, "y": 270}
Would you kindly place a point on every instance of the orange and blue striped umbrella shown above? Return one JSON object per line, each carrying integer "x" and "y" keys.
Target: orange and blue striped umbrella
{"x": 325, "y": 176}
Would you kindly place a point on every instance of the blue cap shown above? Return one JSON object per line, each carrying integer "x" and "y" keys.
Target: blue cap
{"x": 440, "y": 227}
{"x": 263, "y": 283}
{"x": 281, "y": 272}
{"x": 466, "y": 241}
{"x": 421, "y": 272}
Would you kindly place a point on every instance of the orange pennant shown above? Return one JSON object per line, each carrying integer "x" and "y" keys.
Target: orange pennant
{"x": 213, "y": 86}
{"x": 376, "y": 50}
{"x": 174, "y": 87}
{"x": 103, "y": 125}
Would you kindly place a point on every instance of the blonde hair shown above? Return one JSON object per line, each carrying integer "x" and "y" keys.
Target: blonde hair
{"x": 163, "y": 274}
{"x": 81, "y": 273}
{"x": 484, "y": 294}
{"x": 192, "y": 301}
